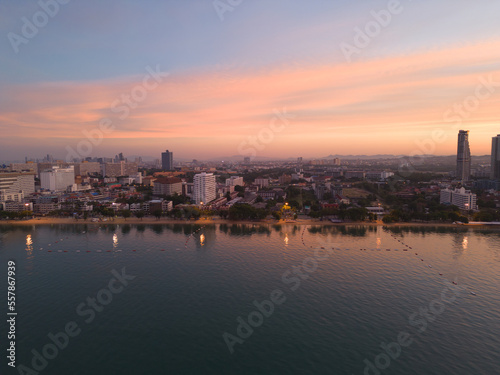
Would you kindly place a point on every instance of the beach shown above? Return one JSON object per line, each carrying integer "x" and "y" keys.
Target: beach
{"x": 208, "y": 221}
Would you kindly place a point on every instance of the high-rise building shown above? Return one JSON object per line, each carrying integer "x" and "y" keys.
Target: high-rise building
{"x": 204, "y": 188}
{"x": 119, "y": 169}
{"x": 463, "y": 156}
{"x": 23, "y": 167}
{"x": 57, "y": 179}
{"x": 167, "y": 186}
{"x": 87, "y": 168}
{"x": 167, "y": 161}
{"x": 495, "y": 158}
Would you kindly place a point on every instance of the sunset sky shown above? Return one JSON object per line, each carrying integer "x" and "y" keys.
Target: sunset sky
{"x": 429, "y": 71}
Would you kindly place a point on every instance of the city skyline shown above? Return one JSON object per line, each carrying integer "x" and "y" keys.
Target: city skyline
{"x": 304, "y": 63}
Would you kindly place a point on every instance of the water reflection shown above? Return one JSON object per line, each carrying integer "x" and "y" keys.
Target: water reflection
{"x": 204, "y": 237}
{"x": 465, "y": 242}
{"x": 237, "y": 229}
{"x": 347, "y": 230}
{"x": 126, "y": 229}
{"x": 29, "y": 244}
{"x": 460, "y": 243}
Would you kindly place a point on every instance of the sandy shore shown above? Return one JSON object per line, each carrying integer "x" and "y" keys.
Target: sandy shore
{"x": 202, "y": 221}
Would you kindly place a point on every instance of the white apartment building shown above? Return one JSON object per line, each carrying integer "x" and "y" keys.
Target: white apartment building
{"x": 15, "y": 186}
{"x": 204, "y": 188}
{"x": 463, "y": 199}
{"x": 57, "y": 179}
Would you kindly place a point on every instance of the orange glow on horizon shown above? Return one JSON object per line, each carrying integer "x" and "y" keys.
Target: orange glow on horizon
{"x": 368, "y": 107}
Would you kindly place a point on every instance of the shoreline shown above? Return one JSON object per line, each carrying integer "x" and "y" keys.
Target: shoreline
{"x": 151, "y": 221}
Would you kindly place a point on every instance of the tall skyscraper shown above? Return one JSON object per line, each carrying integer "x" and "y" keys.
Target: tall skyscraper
{"x": 204, "y": 188}
{"x": 167, "y": 161}
{"x": 463, "y": 156}
{"x": 495, "y": 158}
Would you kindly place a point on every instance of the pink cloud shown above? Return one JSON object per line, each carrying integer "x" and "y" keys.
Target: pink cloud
{"x": 378, "y": 106}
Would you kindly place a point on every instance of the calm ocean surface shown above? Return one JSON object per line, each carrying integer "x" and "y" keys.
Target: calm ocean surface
{"x": 338, "y": 304}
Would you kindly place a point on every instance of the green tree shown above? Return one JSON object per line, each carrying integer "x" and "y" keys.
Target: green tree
{"x": 387, "y": 219}
{"x": 157, "y": 213}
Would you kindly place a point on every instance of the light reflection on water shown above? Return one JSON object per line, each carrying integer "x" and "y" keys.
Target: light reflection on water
{"x": 184, "y": 298}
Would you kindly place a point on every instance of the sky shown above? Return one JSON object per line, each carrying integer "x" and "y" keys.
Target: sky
{"x": 261, "y": 78}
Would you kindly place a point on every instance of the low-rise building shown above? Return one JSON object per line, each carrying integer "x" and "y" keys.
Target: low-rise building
{"x": 159, "y": 204}
{"x": 261, "y": 182}
{"x": 167, "y": 186}
{"x": 45, "y": 208}
{"x": 285, "y": 179}
{"x": 355, "y": 174}
{"x": 463, "y": 199}
{"x": 12, "y": 206}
